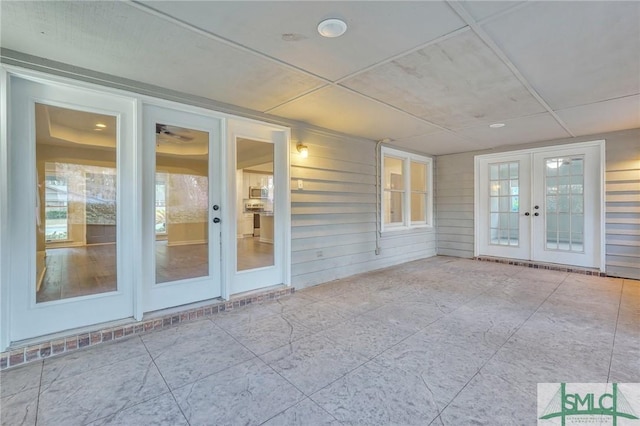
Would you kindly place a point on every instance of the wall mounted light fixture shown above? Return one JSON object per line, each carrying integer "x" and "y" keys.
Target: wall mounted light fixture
{"x": 302, "y": 149}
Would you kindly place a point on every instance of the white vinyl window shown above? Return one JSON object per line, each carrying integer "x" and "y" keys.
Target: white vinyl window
{"x": 407, "y": 190}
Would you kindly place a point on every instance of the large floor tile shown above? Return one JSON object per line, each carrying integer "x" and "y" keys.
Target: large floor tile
{"x": 318, "y": 316}
{"x": 246, "y": 394}
{"x": 20, "y": 379}
{"x": 366, "y": 336}
{"x": 377, "y": 395}
{"x": 413, "y": 315}
{"x": 529, "y": 363}
{"x": 245, "y": 315}
{"x": 491, "y": 400}
{"x": 446, "y": 362}
{"x": 186, "y": 356}
{"x": 99, "y": 392}
{"x": 19, "y": 409}
{"x": 84, "y": 360}
{"x": 304, "y": 413}
{"x": 269, "y": 333}
{"x": 313, "y": 362}
{"x": 161, "y": 411}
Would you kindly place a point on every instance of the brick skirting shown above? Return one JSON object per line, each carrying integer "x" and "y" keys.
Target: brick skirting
{"x": 539, "y": 265}
{"x": 20, "y": 355}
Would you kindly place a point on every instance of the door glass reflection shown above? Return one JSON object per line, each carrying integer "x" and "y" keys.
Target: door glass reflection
{"x": 181, "y": 203}
{"x": 564, "y": 210}
{"x": 504, "y": 204}
{"x": 76, "y": 222}
{"x": 255, "y": 195}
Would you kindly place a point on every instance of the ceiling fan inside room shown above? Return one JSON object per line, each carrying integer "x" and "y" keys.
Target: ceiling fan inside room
{"x": 172, "y": 133}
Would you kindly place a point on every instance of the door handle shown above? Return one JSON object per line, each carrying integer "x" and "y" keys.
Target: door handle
{"x": 527, "y": 213}
{"x": 216, "y": 207}
{"x": 216, "y": 220}
{"x": 536, "y": 207}
{"x": 536, "y": 214}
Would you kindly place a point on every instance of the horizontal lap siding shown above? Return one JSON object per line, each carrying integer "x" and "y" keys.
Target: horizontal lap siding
{"x": 333, "y": 217}
{"x": 623, "y": 206}
{"x": 455, "y": 204}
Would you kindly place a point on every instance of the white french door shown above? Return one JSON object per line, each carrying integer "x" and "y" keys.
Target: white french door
{"x": 257, "y": 165}
{"x": 71, "y": 186}
{"x": 182, "y": 165}
{"x": 542, "y": 205}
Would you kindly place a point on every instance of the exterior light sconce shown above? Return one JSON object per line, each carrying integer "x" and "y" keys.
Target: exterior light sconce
{"x": 302, "y": 149}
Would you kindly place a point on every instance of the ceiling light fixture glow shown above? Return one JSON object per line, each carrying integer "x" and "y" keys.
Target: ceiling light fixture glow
{"x": 102, "y": 126}
{"x": 332, "y": 28}
{"x": 496, "y": 125}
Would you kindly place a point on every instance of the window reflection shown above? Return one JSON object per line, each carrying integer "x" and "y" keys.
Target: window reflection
{"x": 77, "y": 203}
{"x": 181, "y": 203}
{"x": 255, "y": 196}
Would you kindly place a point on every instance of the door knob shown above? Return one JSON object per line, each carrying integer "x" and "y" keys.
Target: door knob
{"x": 536, "y": 207}
{"x": 216, "y": 207}
{"x": 536, "y": 214}
{"x": 527, "y": 214}
{"x": 216, "y": 220}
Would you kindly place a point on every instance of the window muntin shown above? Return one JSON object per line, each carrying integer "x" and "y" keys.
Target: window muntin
{"x": 407, "y": 190}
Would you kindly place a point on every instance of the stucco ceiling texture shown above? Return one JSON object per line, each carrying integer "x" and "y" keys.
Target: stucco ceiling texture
{"x": 431, "y": 76}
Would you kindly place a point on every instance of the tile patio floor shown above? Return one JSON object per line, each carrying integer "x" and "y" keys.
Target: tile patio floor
{"x": 438, "y": 341}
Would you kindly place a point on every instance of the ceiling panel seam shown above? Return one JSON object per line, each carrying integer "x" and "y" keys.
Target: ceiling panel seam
{"x": 326, "y": 82}
{"x": 224, "y": 41}
{"x": 462, "y": 12}
{"x": 506, "y": 11}
{"x": 338, "y": 82}
{"x": 403, "y": 54}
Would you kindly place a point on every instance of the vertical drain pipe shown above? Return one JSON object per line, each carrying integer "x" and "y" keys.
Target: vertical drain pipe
{"x": 379, "y": 193}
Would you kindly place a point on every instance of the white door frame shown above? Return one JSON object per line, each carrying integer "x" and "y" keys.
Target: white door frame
{"x": 600, "y": 190}
{"x": 28, "y": 318}
{"x": 280, "y": 272}
{"x": 180, "y": 292}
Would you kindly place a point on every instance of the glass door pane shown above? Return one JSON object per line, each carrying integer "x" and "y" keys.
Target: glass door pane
{"x": 181, "y": 203}
{"x": 504, "y": 203}
{"x": 564, "y": 196}
{"x": 77, "y": 187}
{"x": 255, "y": 204}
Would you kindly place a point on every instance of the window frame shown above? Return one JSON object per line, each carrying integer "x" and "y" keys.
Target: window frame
{"x": 407, "y": 158}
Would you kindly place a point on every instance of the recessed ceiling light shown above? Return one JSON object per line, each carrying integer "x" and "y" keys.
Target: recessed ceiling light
{"x": 496, "y": 125}
{"x": 102, "y": 126}
{"x": 332, "y": 28}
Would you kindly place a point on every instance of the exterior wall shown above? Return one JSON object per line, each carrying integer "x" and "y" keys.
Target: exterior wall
{"x": 333, "y": 218}
{"x": 455, "y": 189}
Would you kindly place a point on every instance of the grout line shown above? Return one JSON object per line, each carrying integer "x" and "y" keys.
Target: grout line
{"x": 615, "y": 331}
{"x": 501, "y": 346}
{"x": 39, "y": 390}
{"x": 165, "y": 381}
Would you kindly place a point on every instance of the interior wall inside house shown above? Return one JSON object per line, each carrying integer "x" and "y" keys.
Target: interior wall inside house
{"x": 455, "y": 200}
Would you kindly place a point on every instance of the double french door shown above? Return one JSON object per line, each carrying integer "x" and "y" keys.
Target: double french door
{"x": 542, "y": 205}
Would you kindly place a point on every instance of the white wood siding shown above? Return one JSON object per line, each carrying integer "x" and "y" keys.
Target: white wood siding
{"x": 454, "y": 200}
{"x": 333, "y": 218}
